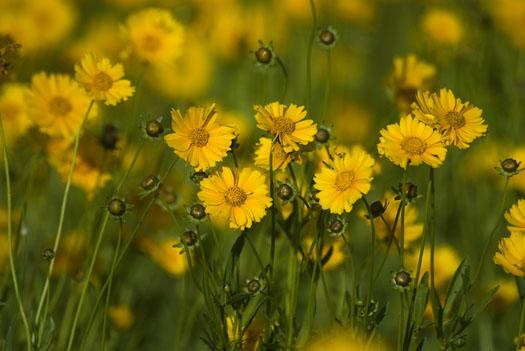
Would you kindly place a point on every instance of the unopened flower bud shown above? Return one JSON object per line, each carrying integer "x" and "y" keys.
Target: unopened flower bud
{"x": 154, "y": 128}
{"x": 285, "y": 192}
{"x": 264, "y": 55}
{"x": 109, "y": 137}
{"x": 510, "y": 165}
{"x": 253, "y": 286}
{"x": 377, "y": 209}
{"x": 402, "y": 279}
{"x": 150, "y": 182}
{"x": 197, "y": 211}
{"x": 189, "y": 238}
{"x": 117, "y": 207}
{"x": 322, "y": 135}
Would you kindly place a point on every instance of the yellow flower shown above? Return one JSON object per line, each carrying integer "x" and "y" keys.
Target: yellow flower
{"x": 241, "y": 199}
{"x": 198, "y": 138}
{"x": 410, "y": 75}
{"x": 154, "y": 35}
{"x": 509, "y": 16}
{"x": 70, "y": 254}
{"x": 506, "y": 295}
{"x": 511, "y": 254}
{"x": 460, "y": 123}
{"x": 361, "y": 124}
{"x": 446, "y": 261}
{"x": 355, "y": 11}
{"x": 339, "y": 339}
{"x": 166, "y": 255}
{"x": 411, "y": 141}
{"x": 57, "y": 104}
{"x": 280, "y": 158}
{"x": 287, "y": 123}
{"x": 346, "y": 182}
{"x": 13, "y": 111}
{"x": 103, "y": 80}
{"x": 337, "y": 257}
{"x": 413, "y": 229}
{"x": 121, "y": 316}
{"x": 442, "y": 27}
{"x": 516, "y": 216}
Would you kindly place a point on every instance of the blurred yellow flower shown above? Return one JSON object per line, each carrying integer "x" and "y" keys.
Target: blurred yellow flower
{"x": 13, "y": 111}
{"x": 70, "y": 254}
{"x": 460, "y": 123}
{"x": 198, "y": 138}
{"x": 280, "y": 158}
{"x": 509, "y": 16}
{"x": 410, "y": 75}
{"x": 287, "y": 123}
{"x": 103, "y": 80}
{"x": 339, "y": 339}
{"x": 358, "y": 130}
{"x": 57, "y": 104}
{"x": 355, "y": 11}
{"x": 166, "y": 255}
{"x": 506, "y": 295}
{"x": 155, "y": 36}
{"x": 411, "y": 141}
{"x": 98, "y": 38}
{"x": 345, "y": 182}
{"x": 121, "y": 316}
{"x": 241, "y": 198}
{"x": 516, "y": 216}
{"x": 337, "y": 255}
{"x": 511, "y": 254}
{"x": 442, "y": 27}
{"x": 446, "y": 262}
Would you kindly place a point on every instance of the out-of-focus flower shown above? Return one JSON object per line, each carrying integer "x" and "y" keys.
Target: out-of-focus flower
{"x": 340, "y": 339}
{"x": 166, "y": 255}
{"x": 443, "y": 27}
{"x": 70, "y": 254}
{"x": 37, "y": 25}
{"x": 412, "y": 141}
{"x": 243, "y": 125}
{"x": 280, "y": 158}
{"x": 511, "y": 254}
{"x": 509, "y": 16}
{"x": 98, "y": 38}
{"x": 240, "y": 198}
{"x": 287, "y": 123}
{"x": 505, "y": 297}
{"x": 13, "y": 111}
{"x": 335, "y": 248}
{"x": 103, "y": 80}
{"x": 250, "y": 338}
{"x": 459, "y": 123}
{"x": 57, "y": 104}
{"x": 121, "y": 316}
{"x": 516, "y": 216}
{"x": 360, "y": 12}
{"x": 353, "y": 123}
{"x": 410, "y": 75}
{"x": 345, "y": 182}
{"x": 446, "y": 262}
{"x": 198, "y": 138}
{"x": 155, "y": 36}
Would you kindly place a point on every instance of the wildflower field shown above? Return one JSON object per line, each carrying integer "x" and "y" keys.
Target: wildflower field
{"x": 262, "y": 175}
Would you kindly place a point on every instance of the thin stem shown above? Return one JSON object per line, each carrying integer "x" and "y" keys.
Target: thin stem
{"x": 254, "y": 250}
{"x": 522, "y": 318}
{"x": 309, "y": 55}
{"x": 402, "y": 231}
{"x": 372, "y": 257}
{"x": 10, "y": 239}
{"x": 327, "y": 83}
{"x": 272, "y": 245}
{"x": 62, "y": 215}
{"x": 285, "y": 76}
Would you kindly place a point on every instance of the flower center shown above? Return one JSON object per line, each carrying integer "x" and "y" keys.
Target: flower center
{"x": 414, "y": 146}
{"x": 59, "y": 106}
{"x": 199, "y": 137}
{"x": 344, "y": 180}
{"x": 102, "y": 82}
{"x": 235, "y": 196}
{"x": 455, "y": 119}
{"x": 283, "y": 125}
{"x": 150, "y": 42}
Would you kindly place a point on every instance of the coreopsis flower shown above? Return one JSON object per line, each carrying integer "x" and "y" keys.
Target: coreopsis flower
{"x": 286, "y": 123}
{"x": 410, "y": 75}
{"x": 460, "y": 123}
{"x": 103, "y": 80}
{"x": 57, "y": 104}
{"x": 280, "y": 158}
{"x": 241, "y": 199}
{"x": 13, "y": 111}
{"x": 345, "y": 181}
{"x": 446, "y": 262}
{"x": 198, "y": 138}
{"x": 511, "y": 254}
{"x": 121, "y": 316}
{"x": 516, "y": 217}
{"x": 411, "y": 141}
{"x": 154, "y": 35}
{"x": 343, "y": 339}
{"x": 332, "y": 255}
{"x": 442, "y": 27}
{"x": 166, "y": 255}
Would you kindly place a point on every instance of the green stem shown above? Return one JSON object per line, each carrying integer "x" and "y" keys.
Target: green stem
{"x": 285, "y": 77}
{"x": 61, "y": 218}
{"x": 309, "y": 55}
{"x": 272, "y": 245}
{"x": 327, "y": 83}
{"x": 10, "y": 238}
{"x": 522, "y": 318}
{"x": 402, "y": 231}
{"x": 372, "y": 258}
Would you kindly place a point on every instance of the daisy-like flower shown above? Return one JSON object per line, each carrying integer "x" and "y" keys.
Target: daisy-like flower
{"x": 280, "y": 158}
{"x": 198, "y": 138}
{"x": 460, "y": 123}
{"x": 516, "y": 217}
{"x": 57, "y": 104}
{"x": 154, "y": 36}
{"x": 241, "y": 199}
{"x": 511, "y": 254}
{"x": 345, "y": 182}
{"x": 287, "y": 123}
{"x": 103, "y": 80}
{"x": 13, "y": 111}
{"x": 411, "y": 141}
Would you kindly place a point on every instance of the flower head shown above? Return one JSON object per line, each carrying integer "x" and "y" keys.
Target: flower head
{"x": 346, "y": 182}
{"x": 460, "y": 123}
{"x": 14, "y": 111}
{"x": 103, "y": 80}
{"x": 241, "y": 199}
{"x": 511, "y": 254}
{"x": 286, "y": 123}
{"x": 166, "y": 255}
{"x": 57, "y": 104}
{"x": 411, "y": 141}
{"x": 198, "y": 138}
{"x": 442, "y": 27}
{"x": 516, "y": 217}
